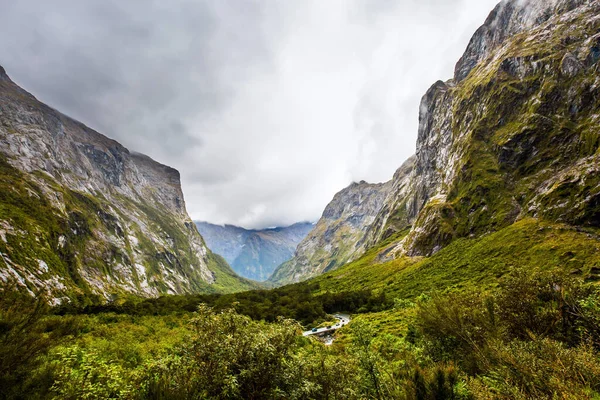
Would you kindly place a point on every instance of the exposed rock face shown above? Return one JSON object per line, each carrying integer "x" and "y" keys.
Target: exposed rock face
{"x": 571, "y": 66}
{"x": 509, "y": 18}
{"x": 398, "y": 211}
{"x": 254, "y": 254}
{"x": 80, "y": 215}
{"x": 336, "y": 238}
{"x": 521, "y": 108}
{"x": 515, "y": 134}
{"x": 520, "y": 116}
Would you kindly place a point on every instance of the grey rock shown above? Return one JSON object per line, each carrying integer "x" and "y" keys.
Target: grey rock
{"x": 336, "y": 237}
{"x": 570, "y": 66}
{"x": 593, "y": 54}
{"x": 423, "y": 207}
{"x": 131, "y": 234}
{"x": 508, "y": 18}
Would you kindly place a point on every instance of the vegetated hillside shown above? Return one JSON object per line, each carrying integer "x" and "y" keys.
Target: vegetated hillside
{"x": 472, "y": 263}
{"x": 334, "y": 239}
{"x": 508, "y": 311}
{"x": 84, "y": 219}
{"x": 515, "y": 134}
{"x": 252, "y": 253}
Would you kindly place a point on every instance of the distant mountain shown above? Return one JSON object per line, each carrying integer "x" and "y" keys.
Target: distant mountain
{"x": 254, "y": 254}
{"x": 337, "y": 236}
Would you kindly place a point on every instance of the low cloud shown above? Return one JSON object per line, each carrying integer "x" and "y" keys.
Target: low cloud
{"x": 266, "y": 108}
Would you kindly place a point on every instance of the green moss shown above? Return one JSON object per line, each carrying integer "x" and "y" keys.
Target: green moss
{"x": 515, "y": 133}
{"x": 471, "y": 263}
{"x": 68, "y": 241}
{"x": 38, "y": 226}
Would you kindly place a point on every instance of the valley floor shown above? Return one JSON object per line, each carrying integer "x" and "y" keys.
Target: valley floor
{"x": 514, "y": 314}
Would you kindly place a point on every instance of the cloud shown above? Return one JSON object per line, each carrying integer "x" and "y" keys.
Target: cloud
{"x": 267, "y": 108}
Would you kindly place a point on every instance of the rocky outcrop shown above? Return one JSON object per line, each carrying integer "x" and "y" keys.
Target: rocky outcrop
{"x": 515, "y": 133}
{"x": 82, "y": 217}
{"x": 254, "y": 254}
{"x": 518, "y": 118}
{"x": 336, "y": 239}
{"x": 398, "y": 210}
{"x": 509, "y": 18}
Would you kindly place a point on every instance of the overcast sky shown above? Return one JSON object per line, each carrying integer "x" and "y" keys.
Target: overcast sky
{"x": 268, "y": 108}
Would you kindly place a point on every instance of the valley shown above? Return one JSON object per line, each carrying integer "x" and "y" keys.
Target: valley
{"x": 473, "y": 273}
{"x": 254, "y": 254}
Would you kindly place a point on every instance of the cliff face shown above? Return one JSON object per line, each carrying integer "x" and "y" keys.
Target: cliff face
{"x": 515, "y": 134}
{"x": 81, "y": 216}
{"x": 254, "y": 254}
{"x": 336, "y": 238}
{"x": 509, "y": 18}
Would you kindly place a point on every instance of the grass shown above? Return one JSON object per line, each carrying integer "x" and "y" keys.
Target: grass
{"x": 472, "y": 263}
{"x": 463, "y": 266}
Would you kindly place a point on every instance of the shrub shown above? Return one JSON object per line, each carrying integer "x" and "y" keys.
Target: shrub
{"x": 26, "y": 335}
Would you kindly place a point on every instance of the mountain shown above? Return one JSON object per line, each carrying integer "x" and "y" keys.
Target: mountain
{"x": 335, "y": 238}
{"x": 225, "y": 240}
{"x": 514, "y": 135}
{"x": 254, "y": 254}
{"x": 82, "y": 217}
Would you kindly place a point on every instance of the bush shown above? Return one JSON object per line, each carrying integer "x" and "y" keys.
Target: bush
{"x": 535, "y": 337}
{"x": 228, "y": 356}
{"x": 26, "y": 335}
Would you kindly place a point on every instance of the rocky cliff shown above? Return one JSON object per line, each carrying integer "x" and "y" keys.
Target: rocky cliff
{"x": 515, "y": 134}
{"x": 253, "y": 253}
{"x": 82, "y": 218}
{"x": 337, "y": 235}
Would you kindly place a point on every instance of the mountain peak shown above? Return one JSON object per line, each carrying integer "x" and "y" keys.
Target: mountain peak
{"x": 114, "y": 219}
{"x": 509, "y": 17}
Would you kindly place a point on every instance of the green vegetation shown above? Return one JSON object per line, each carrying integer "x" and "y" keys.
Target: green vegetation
{"x": 68, "y": 231}
{"x": 509, "y": 308}
{"x": 36, "y": 227}
{"x": 298, "y": 302}
{"x": 472, "y": 263}
{"x": 461, "y": 324}
{"x": 534, "y": 336}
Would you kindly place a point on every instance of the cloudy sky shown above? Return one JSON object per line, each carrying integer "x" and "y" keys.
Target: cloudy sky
{"x": 268, "y": 108}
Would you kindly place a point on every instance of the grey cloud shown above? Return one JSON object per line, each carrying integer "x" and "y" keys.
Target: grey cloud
{"x": 266, "y": 107}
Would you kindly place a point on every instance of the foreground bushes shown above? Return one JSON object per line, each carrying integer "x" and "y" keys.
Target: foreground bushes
{"x": 227, "y": 356}
{"x": 26, "y": 335}
{"x": 535, "y": 337}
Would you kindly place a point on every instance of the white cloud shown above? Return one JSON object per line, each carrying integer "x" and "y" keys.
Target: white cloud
{"x": 267, "y": 108}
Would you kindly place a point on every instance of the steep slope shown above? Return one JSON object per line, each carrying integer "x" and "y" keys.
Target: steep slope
{"x": 254, "y": 254}
{"x": 472, "y": 263}
{"x": 515, "y": 134}
{"x": 225, "y": 240}
{"x": 337, "y": 236}
{"x": 82, "y": 218}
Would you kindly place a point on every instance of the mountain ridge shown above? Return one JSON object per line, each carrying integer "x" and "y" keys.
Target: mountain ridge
{"x": 254, "y": 253}
{"x": 82, "y": 217}
{"x": 527, "y": 147}
{"x": 334, "y": 238}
